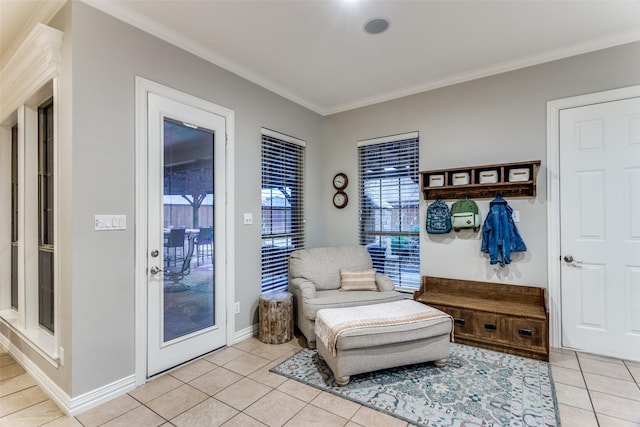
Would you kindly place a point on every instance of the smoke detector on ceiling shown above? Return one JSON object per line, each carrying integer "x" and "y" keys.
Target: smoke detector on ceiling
{"x": 376, "y": 26}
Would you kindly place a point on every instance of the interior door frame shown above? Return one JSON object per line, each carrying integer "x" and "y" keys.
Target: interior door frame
{"x": 553, "y": 196}
{"x": 142, "y": 88}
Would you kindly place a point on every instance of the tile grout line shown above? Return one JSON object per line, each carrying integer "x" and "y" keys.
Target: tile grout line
{"x": 635, "y": 380}
{"x": 143, "y": 404}
{"x": 586, "y": 386}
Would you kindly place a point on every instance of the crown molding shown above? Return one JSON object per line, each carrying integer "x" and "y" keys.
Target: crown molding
{"x": 170, "y": 36}
{"x": 35, "y": 62}
{"x": 152, "y": 27}
{"x": 43, "y": 14}
{"x": 503, "y": 67}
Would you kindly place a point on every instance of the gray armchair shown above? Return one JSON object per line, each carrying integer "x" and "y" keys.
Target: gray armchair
{"x": 314, "y": 281}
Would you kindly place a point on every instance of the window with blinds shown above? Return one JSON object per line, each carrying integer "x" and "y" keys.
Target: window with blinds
{"x": 282, "y": 206}
{"x": 389, "y": 206}
{"x": 14, "y": 217}
{"x": 46, "y": 249}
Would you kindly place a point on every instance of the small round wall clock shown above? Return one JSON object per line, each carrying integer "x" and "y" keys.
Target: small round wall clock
{"x": 340, "y": 181}
{"x": 340, "y": 199}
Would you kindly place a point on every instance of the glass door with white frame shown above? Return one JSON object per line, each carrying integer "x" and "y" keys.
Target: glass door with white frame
{"x": 186, "y": 310}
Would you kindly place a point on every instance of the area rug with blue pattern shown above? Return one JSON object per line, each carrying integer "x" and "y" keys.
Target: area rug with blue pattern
{"x": 476, "y": 387}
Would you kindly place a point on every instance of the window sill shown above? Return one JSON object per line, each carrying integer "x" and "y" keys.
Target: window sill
{"x": 36, "y": 338}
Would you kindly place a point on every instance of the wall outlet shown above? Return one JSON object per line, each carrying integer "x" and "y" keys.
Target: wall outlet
{"x": 237, "y": 308}
{"x": 248, "y": 219}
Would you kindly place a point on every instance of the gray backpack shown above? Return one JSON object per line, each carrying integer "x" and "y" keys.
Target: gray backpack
{"x": 438, "y": 218}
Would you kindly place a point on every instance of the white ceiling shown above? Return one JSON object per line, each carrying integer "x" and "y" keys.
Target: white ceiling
{"x": 316, "y": 53}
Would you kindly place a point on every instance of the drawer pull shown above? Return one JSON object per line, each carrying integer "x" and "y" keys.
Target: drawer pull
{"x": 525, "y": 332}
{"x": 490, "y": 326}
{"x": 459, "y": 321}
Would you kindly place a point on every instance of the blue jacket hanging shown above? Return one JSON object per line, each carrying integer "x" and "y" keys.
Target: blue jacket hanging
{"x": 500, "y": 236}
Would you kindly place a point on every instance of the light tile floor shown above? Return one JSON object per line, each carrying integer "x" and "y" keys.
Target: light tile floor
{"x": 233, "y": 387}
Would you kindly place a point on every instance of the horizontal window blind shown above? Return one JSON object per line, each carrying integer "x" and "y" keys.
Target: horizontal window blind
{"x": 282, "y": 206}
{"x": 389, "y": 206}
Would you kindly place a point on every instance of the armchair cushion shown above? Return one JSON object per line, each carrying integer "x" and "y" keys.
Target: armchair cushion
{"x": 384, "y": 283}
{"x": 334, "y": 298}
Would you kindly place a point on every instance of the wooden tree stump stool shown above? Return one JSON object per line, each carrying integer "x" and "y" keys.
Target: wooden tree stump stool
{"x": 276, "y": 317}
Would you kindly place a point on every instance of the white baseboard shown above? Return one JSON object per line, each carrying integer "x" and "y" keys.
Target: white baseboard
{"x": 246, "y": 333}
{"x": 68, "y": 405}
{"x": 93, "y": 398}
{"x": 102, "y": 394}
{"x": 52, "y": 390}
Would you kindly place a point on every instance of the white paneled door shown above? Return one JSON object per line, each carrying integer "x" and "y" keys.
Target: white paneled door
{"x": 600, "y": 228}
{"x": 185, "y": 232}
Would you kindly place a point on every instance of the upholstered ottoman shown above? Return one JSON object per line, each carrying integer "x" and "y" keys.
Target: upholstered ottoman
{"x": 367, "y": 338}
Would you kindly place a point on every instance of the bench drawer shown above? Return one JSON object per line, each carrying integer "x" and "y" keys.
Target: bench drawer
{"x": 528, "y": 333}
{"x": 487, "y": 325}
{"x": 462, "y": 319}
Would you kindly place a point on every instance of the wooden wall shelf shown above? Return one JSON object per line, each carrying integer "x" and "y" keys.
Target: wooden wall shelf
{"x": 474, "y": 189}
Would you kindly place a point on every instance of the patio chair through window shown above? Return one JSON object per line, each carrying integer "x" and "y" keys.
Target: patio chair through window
{"x": 175, "y": 241}
{"x": 204, "y": 239}
{"x": 176, "y": 274}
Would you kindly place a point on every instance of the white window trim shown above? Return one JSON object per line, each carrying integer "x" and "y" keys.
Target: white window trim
{"x": 390, "y": 138}
{"x": 283, "y": 137}
{"x": 30, "y": 74}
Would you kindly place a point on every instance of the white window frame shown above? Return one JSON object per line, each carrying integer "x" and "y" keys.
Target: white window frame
{"x": 29, "y": 78}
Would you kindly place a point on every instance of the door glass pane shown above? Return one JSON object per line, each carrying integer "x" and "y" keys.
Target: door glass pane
{"x": 188, "y": 229}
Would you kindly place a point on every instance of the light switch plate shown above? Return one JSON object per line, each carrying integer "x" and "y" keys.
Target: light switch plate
{"x": 516, "y": 216}
{"x": 110, "y": 222}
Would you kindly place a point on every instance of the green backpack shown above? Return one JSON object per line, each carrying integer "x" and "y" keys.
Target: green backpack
{"x": 464, "y": 214}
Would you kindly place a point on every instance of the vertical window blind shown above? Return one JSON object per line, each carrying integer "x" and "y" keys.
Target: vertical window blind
{"x": 282, "y": 206}
{"x": 389, "y": 206}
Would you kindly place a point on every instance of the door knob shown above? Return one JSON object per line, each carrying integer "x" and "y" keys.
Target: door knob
{"x": 569, "y": 259}
{"x": 155, "y": 253}
{"x": 154, "y": 270}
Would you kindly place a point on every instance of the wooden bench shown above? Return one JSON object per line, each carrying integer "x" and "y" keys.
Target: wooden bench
{"x": 509, "y": 318}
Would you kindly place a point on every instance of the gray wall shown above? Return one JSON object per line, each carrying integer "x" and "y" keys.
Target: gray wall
{"x": 107, "y": 55}
{"x": 491, "y": 120}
